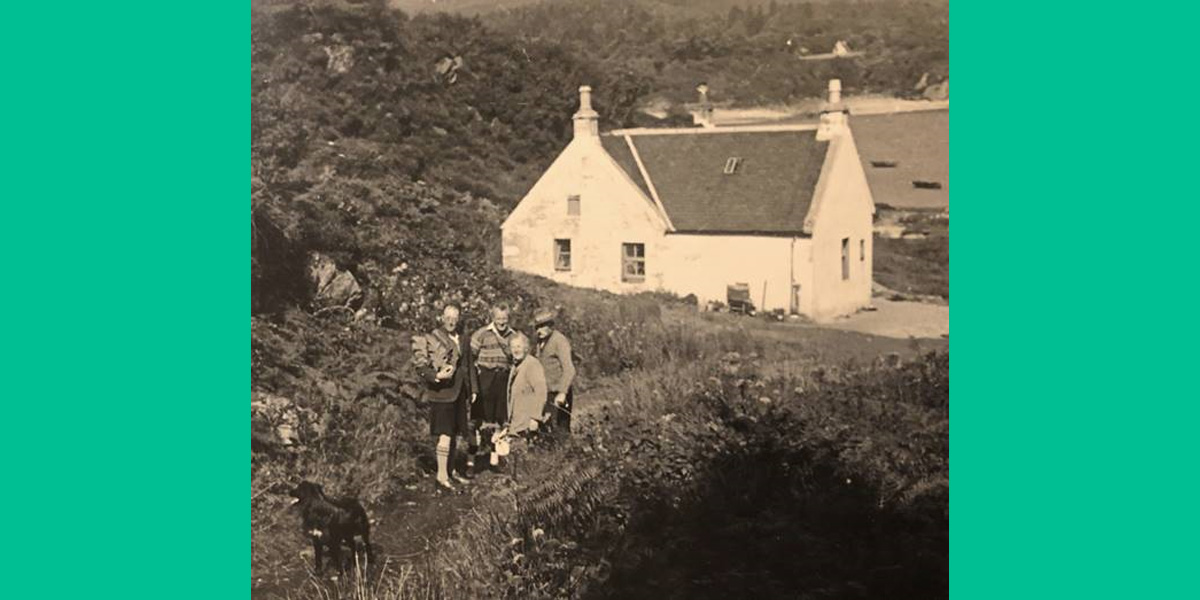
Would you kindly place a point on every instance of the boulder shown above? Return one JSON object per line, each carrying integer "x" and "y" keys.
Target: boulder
{"x": 278, "y": 420}
{"x": 939, "y": 91}
{"x": 331, "y": 286}
{"x": 340, "y": 58}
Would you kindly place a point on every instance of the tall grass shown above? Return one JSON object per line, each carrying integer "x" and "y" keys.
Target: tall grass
{"x": 362, "y": 427}
{"x": 818, "y": 483}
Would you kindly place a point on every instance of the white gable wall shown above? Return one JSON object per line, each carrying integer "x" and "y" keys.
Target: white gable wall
{"x": 613, "y": 211}
{"x": 842, "y": 209}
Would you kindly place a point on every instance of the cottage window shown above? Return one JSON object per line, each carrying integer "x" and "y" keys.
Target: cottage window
{"x": 732, "y": 164}
{"x": 633, "y": 262}
{"x": 573, "y": 205}
{"x": 862, "y": 250}
{"x": 562, "y": 255}
{"x": 845, "y": 258}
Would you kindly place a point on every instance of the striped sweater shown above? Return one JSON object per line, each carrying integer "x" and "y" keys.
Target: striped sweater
{"x": 490, "y": 347}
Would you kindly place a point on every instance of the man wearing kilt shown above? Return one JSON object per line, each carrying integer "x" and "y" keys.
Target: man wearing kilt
{"x": 442, "y": 359}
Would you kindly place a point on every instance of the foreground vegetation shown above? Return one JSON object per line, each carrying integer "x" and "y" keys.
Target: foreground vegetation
{"x": 714, "y": 478}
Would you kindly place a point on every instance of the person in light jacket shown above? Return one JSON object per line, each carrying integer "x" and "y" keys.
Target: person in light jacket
{"x": 526, "y": 389}
{"x": 554, "y": 352}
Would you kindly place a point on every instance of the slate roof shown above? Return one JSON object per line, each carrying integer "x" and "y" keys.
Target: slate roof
{"x": 919, "y": 143}
{"x": 617, "y": 148}
{"x": 769, "y": 194}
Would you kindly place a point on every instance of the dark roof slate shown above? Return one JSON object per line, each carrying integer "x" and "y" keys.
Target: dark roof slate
{"x": 617, "y": 148}
{"x": 770, "y": 193}
{"x": 919, "y": 144}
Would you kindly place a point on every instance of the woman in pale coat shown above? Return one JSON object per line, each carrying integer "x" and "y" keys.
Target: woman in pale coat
{"x": 527, "y": 407}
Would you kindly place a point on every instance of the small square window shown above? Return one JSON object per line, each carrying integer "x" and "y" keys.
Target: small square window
{"x": 633, "y": 262}
{"x": 573, "y": 207}
{"x": 562, "y": 255}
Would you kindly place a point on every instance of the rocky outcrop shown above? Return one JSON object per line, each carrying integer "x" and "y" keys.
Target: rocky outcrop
{"x": 275, "y": 421}
{"x": 331, "y": 286}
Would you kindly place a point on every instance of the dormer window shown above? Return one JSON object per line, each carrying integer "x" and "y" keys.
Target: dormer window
{"x": 732, "y": 164}
{"x": 573, "y": 207}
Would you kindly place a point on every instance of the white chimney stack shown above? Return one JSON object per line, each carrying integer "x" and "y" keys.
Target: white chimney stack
{"x": 587, "y": 120}
{"x": 833, "y": 114}
{"x": 835, "y": 91}
{"x": 704, "y": 115}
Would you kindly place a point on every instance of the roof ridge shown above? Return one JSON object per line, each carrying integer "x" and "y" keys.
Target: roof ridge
{"x": 712, "y": 130}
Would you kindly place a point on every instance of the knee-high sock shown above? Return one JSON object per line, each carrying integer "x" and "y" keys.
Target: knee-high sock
{"x": 450, "y": 458}
{"x": 473, "y": 441}
{"x": 443, "y": 457}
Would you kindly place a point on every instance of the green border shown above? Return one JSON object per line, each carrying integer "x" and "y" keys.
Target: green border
{"x": 1074, "y": 457}
{"x": 124, "y": 228}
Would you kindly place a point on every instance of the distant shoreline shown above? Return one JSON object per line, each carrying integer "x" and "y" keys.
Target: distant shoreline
{"x": 858, "y": 105}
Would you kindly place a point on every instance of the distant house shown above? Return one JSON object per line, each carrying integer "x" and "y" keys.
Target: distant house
{"x": 917, "y": 147}
{"x": 783, "y": 210}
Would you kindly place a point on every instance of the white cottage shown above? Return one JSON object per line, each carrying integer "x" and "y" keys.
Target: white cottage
{"x": 783, "y": 209}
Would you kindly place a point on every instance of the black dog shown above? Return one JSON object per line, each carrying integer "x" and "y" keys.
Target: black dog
{"x": 331, "y": 522}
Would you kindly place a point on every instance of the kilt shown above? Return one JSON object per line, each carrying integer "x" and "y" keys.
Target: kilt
{"x": 492, "y": 404}
{"x": 449, "y": 418}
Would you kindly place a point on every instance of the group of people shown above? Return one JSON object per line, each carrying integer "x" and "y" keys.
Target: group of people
{"x": 492, "y": 386}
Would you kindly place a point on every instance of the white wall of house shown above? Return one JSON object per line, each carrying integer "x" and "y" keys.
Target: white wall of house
{"x": 705, "y": 265}
{"x": 613, "y": 211}
{"x": 843, "y": 210}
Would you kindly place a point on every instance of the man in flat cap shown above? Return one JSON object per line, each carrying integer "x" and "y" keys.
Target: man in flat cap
{"x": 553, "y": 350}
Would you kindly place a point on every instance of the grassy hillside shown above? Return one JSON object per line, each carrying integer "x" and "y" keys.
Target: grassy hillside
{"x": 362, "y": 150}
{"x": 689, "y": 7}
{"x": 743, "y": 464}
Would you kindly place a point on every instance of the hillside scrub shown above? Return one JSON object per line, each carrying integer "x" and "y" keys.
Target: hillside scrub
{"x": 354, "y": 402}
{"x": 914, "y": 266}
{"x": 706, "y": 480}
{"x": 362, "y": 150}
{"x": 748, "y": 55}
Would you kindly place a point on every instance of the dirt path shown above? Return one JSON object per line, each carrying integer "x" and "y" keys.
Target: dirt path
{"x": 899, "y": 320}
{"x": 403, "y": 529}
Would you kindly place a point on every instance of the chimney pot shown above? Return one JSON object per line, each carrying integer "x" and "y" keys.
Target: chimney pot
{"x": 704, "y": 116}
{"x": 585, "y": 98}
{"x": 587, "y": 120}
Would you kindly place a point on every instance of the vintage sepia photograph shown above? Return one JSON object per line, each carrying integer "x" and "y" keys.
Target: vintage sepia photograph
{"x": 600, "y": 299}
